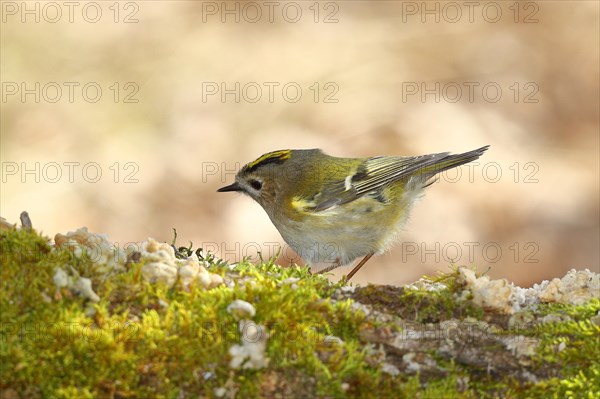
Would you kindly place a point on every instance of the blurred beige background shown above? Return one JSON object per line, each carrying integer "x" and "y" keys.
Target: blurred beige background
{"x": 377, "y": 78}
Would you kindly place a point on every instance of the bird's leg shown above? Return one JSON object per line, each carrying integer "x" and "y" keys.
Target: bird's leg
{"x": 335, "y": 265}
{"x": 357, "y": 267}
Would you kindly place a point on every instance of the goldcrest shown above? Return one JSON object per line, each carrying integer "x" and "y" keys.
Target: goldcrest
{"x": 335, "y": 210}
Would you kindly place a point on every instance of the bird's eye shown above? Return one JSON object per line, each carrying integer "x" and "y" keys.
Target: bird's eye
{"x": 255, "y": 184}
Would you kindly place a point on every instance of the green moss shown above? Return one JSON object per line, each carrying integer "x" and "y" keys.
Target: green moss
{"x": 569, "y": 351}
{"x": 149, "y": 340}
{"x": 420, "y": 305}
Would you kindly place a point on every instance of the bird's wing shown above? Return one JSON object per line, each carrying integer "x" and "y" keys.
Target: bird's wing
{"x": 375, "y": 173}
{"x": 371, "y": 176}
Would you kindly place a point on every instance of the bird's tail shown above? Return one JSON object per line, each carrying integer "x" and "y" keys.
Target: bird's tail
{"x": 448, "y": 161}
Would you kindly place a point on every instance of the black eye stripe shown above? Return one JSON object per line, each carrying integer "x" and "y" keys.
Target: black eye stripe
{"x": 255, "y": 184}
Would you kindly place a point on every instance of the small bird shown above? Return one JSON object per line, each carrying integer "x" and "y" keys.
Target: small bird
{"x": 335, "y": 210}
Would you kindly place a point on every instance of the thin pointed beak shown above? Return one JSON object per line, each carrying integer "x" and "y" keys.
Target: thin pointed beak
{"x": 232, "y": 187}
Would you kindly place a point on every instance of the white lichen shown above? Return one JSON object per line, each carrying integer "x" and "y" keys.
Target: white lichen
{"x": 359, "y": 307}
{"x": 575, "y": 288}
{"x": 349, "y": 289}
{"x": 332, "y": 340}
{"x": 160, "y": 263}
{"x": 241, "y": 309}
{"x": 489, "y": 294}
{"x": 555, "y": 318}
{"x": 520, "y": 345}
{"x": 61, "y": 279}
{"x": 251, "y": 353}
{"x": 411, "y": 365}
{"x": 424, "y": 284}
{"x": 291, "y": 281}
{"x": 165, "y": 267}
{"x": 84, "y": 288}
{"x": 80, "y": 285}
{"x": 157, "y": 272}
{"x": 390, "y": 369}
{"x": 104, "y": 254}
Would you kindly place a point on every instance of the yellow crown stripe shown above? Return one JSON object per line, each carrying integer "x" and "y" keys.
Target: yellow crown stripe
{"x": 281, "y": 155}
